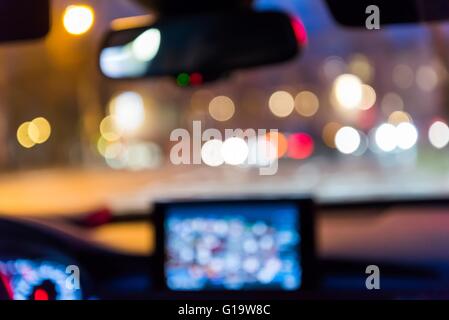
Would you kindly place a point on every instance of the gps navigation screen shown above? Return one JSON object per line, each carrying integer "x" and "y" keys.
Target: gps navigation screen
{"x": 233, "y": 247}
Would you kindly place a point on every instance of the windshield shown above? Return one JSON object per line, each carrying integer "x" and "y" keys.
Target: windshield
{"x": 359, "y": 115}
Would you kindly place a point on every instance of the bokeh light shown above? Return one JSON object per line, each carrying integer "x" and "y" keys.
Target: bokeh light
{"x": 307, "y": 104}
{"x": 280, "y": 140}
{"x": 183, "y": 79}
{"x": 347, "y": 92}
{"x": 439, "y": 134}
{"x": 39, "y": 130}
{"x": 128, "y": 111}
{"x": 34, "y": 132}
{"x": 347, "y": 140}
{"x": 113, "y": 150}
{"x": 329, "y": 132}
{"x": 427, "y": 78}
{"x": 363, "y": 146}
{"x": 392, "y": 102}
{"x": 146, "y": 46}
{"x": 23, "y": 136}
{"x": 403, "y": 76}
{"x": 406, "y": 135}
{"x": 281, "y": 104}
{"x": 211, "y": 153}
{"x": 262, "y": 151}
{"x": 78, "y": 19}
{"x": 108, "y": 129}
{"x": 222, "y": 108}
{"x": 369, "y": 97}
{"x": 333, "y": 67}
{"x": 398, "y": 117}
{"x": 135, "y": 156}
{"x": 300, "y": 146}
{"x": 360, "y": 66}
{"x": 116, "y": 163}
{"x": 199, "y": 104}
{"x": 235, "y": 151}
{"x": 386, "y": 138}
{"x": 142, "y": 156}
{"x": 102, "y": 144}
{"x": 196, "y": 79}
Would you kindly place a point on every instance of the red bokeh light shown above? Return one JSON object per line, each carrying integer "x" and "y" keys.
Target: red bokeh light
{"x": 367, "y": 119}
{"x": 196, "y": 79}
{"x": 300, "y": 30}
{"x": 300, "y": 146}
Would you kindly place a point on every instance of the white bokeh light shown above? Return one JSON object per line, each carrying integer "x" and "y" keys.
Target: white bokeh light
{"x": 146, "y": 46}
{"x": 235, "y": 151}
{"x": 348, "y": 90}
{"x": 262, "y": 151}
{"x": 406, "y": 135}
{"x": 439, "y": 134}
{"x": 211, "y": 153}
{"x": 386, "y": 137}
{"x": 347, "y": 140}
{"x": 129, "y": 111}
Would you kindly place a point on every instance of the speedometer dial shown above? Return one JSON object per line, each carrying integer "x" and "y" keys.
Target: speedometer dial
{"x": 42, "y": 280}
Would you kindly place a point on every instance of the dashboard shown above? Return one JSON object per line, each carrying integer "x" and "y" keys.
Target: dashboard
{"x": 41, "y": 262}
{"x": 232, "y": 249}
{"x": 238, "y": 246}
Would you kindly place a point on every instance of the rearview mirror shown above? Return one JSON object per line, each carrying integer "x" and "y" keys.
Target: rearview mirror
{"x": 206, "y": 45}
{"x": 356, "y": 13}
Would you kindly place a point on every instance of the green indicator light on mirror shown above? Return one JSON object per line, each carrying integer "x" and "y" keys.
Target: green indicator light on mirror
{"x": 183, "y": 80}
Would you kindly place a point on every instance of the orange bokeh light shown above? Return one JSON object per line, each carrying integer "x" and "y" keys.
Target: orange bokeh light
{"x": 279, "y": 139}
